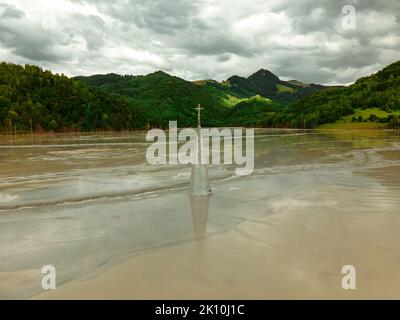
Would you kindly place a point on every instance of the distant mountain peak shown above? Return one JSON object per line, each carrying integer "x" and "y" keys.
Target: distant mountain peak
{"x": 265, "y": 82}
{"x": 235, "y": 77}
{"x": 264, "y": 73}
{"x": 160, "y": 72}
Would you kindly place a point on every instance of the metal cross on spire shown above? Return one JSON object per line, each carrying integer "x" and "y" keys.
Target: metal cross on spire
{"x": 199, "y": 184}
{"x": 198, "y": 108}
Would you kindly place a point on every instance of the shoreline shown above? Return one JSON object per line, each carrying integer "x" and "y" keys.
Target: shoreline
{"x": 105, "y": 132}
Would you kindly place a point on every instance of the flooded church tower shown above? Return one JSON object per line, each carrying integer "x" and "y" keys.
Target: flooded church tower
{"x": 199, "y": 183}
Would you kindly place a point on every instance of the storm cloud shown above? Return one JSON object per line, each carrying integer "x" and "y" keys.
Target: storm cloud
{"x": 304, "y": 39}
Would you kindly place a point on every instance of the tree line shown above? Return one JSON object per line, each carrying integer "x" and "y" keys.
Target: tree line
{"x": 35, "y": 100}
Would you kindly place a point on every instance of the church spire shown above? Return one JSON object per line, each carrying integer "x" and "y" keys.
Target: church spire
{"x": 199, "y": 108}
{"x": 199, "y": 184}
{"x": 199, "y": 140}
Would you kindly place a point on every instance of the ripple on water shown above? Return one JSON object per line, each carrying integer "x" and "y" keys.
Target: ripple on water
{"x": 4, "y": 197}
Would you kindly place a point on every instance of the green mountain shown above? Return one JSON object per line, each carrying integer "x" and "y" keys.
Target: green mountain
{"x": 37, "y": 100}
{"x": 226, "y": 94}
{"x": 252, "y": 112}
{"x": 263, "y": 83}
{"x": 162, "y": 97}
{"x": 256, "y": 100}
{"x": 380, "y": 91}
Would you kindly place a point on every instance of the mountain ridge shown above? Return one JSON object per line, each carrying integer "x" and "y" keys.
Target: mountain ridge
{"x": 32, "y": 99}
{"x": 262, "y": 82}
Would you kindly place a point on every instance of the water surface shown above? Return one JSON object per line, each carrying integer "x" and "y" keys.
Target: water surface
{"x": 316, "y": 201}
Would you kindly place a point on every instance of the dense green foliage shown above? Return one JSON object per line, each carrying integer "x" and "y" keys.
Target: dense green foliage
{"x": 263, "y": 83}
{"x": 33, "y": 99}
{"x": 236, "y": 101}
{"x": 226, "y": 94}
{"x": 162, "y": 98}
{"x": 37, "y": 100}
{"x": 381, "y": 90}
{"x": 252, "y": 112}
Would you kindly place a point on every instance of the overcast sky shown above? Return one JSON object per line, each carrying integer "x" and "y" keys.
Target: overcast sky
{"x": 298, "y": 39}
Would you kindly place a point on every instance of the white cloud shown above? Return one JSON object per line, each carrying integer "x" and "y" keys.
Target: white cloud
{"x": 375, "y": 22}
{"x": 202, "y": 39}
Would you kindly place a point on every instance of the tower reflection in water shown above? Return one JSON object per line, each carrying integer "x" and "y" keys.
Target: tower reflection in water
{"x": 199, "y": 191}
{"x": 199, "y": 206}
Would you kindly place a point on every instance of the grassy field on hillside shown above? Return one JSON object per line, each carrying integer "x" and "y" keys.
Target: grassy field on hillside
{"x": 284, "y": 89}
{"x": 366, "y": 113}
{"x": 348, "y": 123}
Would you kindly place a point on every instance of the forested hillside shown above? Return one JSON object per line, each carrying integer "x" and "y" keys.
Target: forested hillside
{"x": 37, "y": 100}
{"x": 252, "y": 112}
{"x": 162, "y": 98}
{"x": 239, "y": 101}
{"x": 263, "y": 83}
{"x": 379, "y": 91}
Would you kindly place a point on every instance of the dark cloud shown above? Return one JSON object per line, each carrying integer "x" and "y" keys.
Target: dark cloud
{"x": 92, "y": 28}
{"x": 211, "y": 45}
{"x": 161, "y": 16}
{"x": 35, "y": 45}
{"x": 164, "y": 16}
{"x": 223, "y": 57}
{"x": 301, "y": 39}
{"x": 8, "y": 11}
